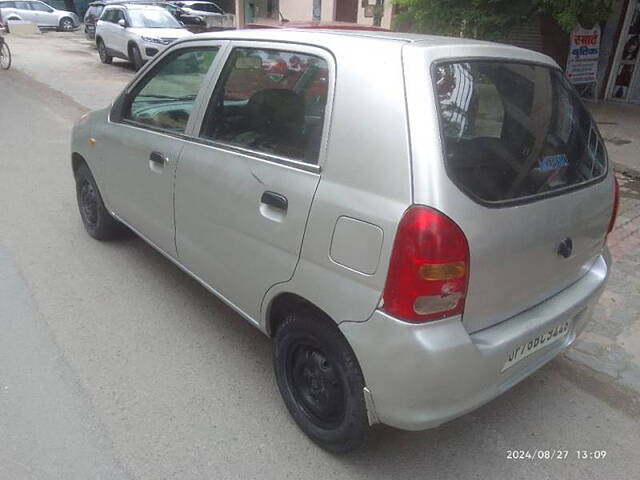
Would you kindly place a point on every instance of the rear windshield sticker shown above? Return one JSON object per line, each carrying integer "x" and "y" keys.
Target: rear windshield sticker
{"x": 553, "y": 162}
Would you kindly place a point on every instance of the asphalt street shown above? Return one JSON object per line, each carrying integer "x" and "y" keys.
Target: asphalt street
{"x": 116, "y": 365}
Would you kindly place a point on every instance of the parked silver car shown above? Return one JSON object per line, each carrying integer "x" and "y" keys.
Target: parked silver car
{"x": 39, "y": 13}
{"x": 417, "y": 222}
{"x": 214, "y": 17}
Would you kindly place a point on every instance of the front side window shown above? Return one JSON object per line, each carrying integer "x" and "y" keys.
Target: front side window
{"x": 112, "y": 15}
{"x": 271, "y": 102}
{"x": 117, "y": 16}
{"x": 164, "y": 98}
{"x": 514, "y": 130}
{"x": 106, "y": 15}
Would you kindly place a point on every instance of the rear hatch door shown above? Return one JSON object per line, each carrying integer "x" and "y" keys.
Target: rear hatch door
{"x": 525, "y": 177}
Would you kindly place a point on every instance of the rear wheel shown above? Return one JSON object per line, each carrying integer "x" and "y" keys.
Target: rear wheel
{"x": 135, "y": 57}
{"x": 320, "y": 381}
{"x": 66, "y": 25}
{"x": 5, "y": 56}
{"x": 96, "y": 218}
{"x": 102, "y": 52}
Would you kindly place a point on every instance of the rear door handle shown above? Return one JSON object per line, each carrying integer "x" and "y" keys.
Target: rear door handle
{"x": 275, "y": 200}
{"x": 159, "y": 158}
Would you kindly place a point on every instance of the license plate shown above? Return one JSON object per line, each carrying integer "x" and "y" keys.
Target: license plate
{"x": 536, "y": 343}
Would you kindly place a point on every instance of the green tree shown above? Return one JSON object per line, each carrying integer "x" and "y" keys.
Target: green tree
{"x": 569, "y": 13}
{"x": 493, "y": 19}
{"x": 489, "y": 19}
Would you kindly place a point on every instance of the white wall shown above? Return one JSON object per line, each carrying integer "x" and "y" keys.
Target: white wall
{"x": 328, "y": 10}
{"x": 302, "y": 11}
{"x": 298, "y": 10}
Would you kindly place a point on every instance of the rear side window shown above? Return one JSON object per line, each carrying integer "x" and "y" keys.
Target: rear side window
{"x": 515, "y": 131}
{"x": 271, "y": 102}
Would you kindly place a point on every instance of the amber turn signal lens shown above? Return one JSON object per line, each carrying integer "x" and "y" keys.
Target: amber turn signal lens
{"x": 442, "y": 271}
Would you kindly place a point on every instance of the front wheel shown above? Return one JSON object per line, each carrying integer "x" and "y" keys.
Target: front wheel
{"x": 97, "y": 220}
{"x": 66, "y": 25}
{"x": 5, "y": 56}
{"x": 135, "y": 57}
{"x": 102, "y": 52}
{"x": 320, "y": 381}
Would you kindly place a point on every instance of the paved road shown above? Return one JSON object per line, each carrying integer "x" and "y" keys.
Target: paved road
{"x": 115, "y": 365}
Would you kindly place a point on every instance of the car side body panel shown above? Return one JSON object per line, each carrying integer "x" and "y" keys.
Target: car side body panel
{"x": 366, "y": 177}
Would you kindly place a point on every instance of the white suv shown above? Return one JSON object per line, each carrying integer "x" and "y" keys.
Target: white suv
{"x": 136, "y": 32}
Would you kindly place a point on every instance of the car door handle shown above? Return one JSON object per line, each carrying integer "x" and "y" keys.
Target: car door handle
{"x": 159, "y": 158}
{"x": 275, "y": 200}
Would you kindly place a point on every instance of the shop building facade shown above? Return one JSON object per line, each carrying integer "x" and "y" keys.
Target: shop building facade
{"x": 365, "y": 12}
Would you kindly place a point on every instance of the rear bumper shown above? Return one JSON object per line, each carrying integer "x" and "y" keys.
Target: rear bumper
{"x": 421, "y": 376}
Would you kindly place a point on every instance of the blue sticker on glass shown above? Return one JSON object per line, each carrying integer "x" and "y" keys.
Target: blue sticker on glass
{"x": 553, "y": 162}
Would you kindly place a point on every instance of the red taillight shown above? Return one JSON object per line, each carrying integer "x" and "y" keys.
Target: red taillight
{"x": 616, "y": 202}
{"x": 429, "y": 268}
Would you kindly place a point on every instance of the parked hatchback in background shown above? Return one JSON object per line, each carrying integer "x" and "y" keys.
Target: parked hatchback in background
{"x": 414, "y": 245}
{"x": 91, "y": 17}
{"x": 136, "y": 32}
{"x": 38, "y": 13}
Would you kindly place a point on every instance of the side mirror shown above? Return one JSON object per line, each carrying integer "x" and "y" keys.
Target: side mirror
{"x": 122, "y": 22}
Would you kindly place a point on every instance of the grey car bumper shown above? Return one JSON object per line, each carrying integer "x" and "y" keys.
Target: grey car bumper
{"x": 420, "y": 376}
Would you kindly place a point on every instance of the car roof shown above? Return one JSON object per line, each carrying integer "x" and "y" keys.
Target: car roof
{"x": 137, "y": 5}
{"x": 315, "y": 25}
{"x": 125, "y": 2}
{"x": 442, "y": 47}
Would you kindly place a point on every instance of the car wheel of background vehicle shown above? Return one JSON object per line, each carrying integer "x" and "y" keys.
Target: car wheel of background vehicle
{"x": 135, "y": 57}
{"x": 320, "y": 381}
{"x": 96, "y": 218}
{"x": 102, "y": 52}
{"x": 66, "y": 24}
{"x": 5, "y": 57}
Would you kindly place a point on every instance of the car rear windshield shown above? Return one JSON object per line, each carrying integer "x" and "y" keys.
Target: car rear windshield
{"x": 515, "y": 131}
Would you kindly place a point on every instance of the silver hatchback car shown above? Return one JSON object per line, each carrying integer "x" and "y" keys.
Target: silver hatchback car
{"x": 38, "y": 13}
{"x": 417, "y": 222}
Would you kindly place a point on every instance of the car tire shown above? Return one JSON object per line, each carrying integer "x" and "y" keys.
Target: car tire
{"x": 320, "y": 381}
{"x": 102, "y": 52}
{"x": 135, "y": 57}
{"x": 66, "y": 25}
{"x": 96, "y": 218}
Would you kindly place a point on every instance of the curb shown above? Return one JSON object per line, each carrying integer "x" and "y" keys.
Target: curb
{"x": 628, "y": 171}
{"x": 600, "y": 385}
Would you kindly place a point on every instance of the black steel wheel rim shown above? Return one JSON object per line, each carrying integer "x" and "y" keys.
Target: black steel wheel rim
{"x": 316, "y": 384}
{"x": 88, "y": 203}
